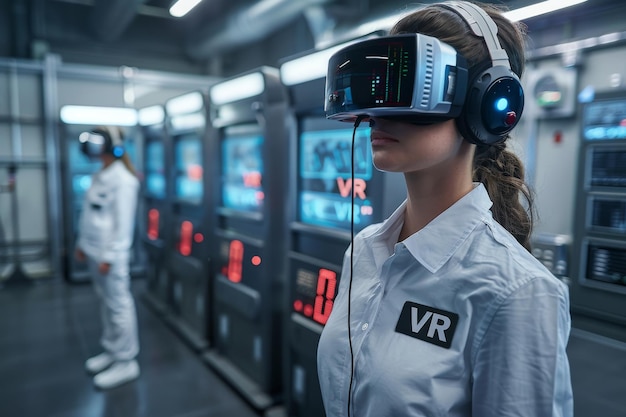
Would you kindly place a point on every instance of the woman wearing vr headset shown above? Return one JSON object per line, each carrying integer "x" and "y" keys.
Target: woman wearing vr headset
{"x": 442, "y": 310}
{"x": 105, "y": 237}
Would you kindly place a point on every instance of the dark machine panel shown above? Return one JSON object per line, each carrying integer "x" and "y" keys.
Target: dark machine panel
{"x": 250, "y": 178}
{"x": 598, "y": 290}
{"x": 188, "y": 259}
{"x": 607, "y": 214}
{"x": 157, "y": 205}
{"x": 329, "y": 204}
{"x": 606, "y": 263}
{"x": 608, "y": 167}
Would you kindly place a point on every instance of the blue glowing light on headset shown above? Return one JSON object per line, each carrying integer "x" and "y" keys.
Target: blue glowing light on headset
{"x": 118, "y": 151}
{"x": 502, "y": 104}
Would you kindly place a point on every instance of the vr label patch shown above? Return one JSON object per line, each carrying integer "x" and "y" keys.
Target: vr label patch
{"x": 426, "y": 323}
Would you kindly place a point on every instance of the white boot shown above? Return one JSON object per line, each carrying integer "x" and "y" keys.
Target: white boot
{"x": 98, "y": 363}
{"x": 118, "y": 374}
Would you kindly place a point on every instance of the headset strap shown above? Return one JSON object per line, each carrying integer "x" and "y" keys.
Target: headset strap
{"x": 482, "y": 25}
{"x": 114, "y": 133}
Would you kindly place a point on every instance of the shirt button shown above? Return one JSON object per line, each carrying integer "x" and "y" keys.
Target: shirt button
{"x": 364, "y": 327}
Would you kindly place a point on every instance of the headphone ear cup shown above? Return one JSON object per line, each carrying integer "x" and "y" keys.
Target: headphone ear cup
{"x": 493, "y": 106}
{"x": 118, "y": 151}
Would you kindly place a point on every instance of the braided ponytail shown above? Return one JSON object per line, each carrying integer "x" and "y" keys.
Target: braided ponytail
{"x": 498, "y": 169}
{"x": 502, "y": 174}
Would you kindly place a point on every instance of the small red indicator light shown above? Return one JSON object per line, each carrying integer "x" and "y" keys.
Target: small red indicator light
{"x": 510, "y": 119}
{"x": 153, "y": 224}
{"x": 256, "y": 260}
{"x": 194, "y": 172}
{"x": 198, "y": 238}
{"x": 297, "y": 305}
{"x": 235, "y": 258}
{"x": 186, "y": 231}
{"x": 308, "y": 310}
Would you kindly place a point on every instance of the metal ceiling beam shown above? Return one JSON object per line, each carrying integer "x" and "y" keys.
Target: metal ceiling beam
{"x": 142, "y": 9}
{"x": 247, "y": 25}
{"x": 110, "y": 18}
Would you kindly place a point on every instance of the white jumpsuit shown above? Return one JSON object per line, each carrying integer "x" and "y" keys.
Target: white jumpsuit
{"x": 105, "y": 235}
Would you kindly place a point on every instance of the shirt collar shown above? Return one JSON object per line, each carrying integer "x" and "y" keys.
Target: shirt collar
{"x": 435, "y": 244}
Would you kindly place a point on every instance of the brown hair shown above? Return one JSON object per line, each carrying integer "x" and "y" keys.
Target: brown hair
{"x": 500, "y": 170}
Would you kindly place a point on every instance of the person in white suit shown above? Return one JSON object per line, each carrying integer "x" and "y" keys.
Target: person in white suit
{"x": 105, "y": 238}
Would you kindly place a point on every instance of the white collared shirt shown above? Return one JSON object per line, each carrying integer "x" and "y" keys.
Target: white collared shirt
{"x": 457, "y": 320}
{"x": 107, "y": 221}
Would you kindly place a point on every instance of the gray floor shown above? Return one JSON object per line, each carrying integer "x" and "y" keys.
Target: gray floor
{"x": 47, "y": 330}
{"x": 598, "y": 366}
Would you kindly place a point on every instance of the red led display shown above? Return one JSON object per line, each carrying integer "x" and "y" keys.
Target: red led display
{"x": 235, "y": 261}
{"x": 186, "y": 232}
{"x": 314, "y": 292}
{"x": 194, "y": 172}
{"x": 153, "y": 224}
{"x": 326, "y": 285}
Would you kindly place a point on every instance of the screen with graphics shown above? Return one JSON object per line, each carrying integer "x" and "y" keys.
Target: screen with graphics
{"x": 242, "y": 172}
{"x": 188, "y": 183}
{"x": 155, "y": 169}
{"x": 605, "y": 120}
{"x": 325, "y": 182}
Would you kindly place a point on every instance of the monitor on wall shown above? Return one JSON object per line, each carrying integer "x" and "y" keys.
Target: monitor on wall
{"x": 325, "y": 175}
{"x": 155, "y": 169}
{"x": 188, "y": 183}
{"x": 242, "y": 170}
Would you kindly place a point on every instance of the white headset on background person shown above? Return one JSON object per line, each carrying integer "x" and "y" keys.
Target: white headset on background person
{"x": 102, "y": 140}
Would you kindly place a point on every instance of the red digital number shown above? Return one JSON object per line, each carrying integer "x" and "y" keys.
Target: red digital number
{"x": 153, "y": 224}
{"x": 235, "y": 260}
{"x": 186, "y": 230}
{"x": 326, "y": 285}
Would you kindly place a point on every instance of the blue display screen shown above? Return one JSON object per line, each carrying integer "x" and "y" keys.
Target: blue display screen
{"x": 155, "y": 185}
{"x": 325, "y": 182}
{"x": 242, "y": 172}
{"x": 155, "y": 169}
{"x": 188, "y": 184}
{"x": 81, "y": 183}
{"x": 605, "y": 120}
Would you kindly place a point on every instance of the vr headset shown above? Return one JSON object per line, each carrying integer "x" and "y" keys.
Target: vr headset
{"x": 99, "y": 141}
{"x": 419, "y": 79}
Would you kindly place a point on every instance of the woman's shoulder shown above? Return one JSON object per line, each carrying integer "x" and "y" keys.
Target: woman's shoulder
{"x": 125, "y": 178}
{"x": 517, "y": 260}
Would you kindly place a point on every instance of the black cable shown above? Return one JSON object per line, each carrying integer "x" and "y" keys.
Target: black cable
{"x": 357, "y": 122}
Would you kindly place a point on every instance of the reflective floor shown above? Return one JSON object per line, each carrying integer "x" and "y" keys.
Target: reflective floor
{"x": 47, "y": 330}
